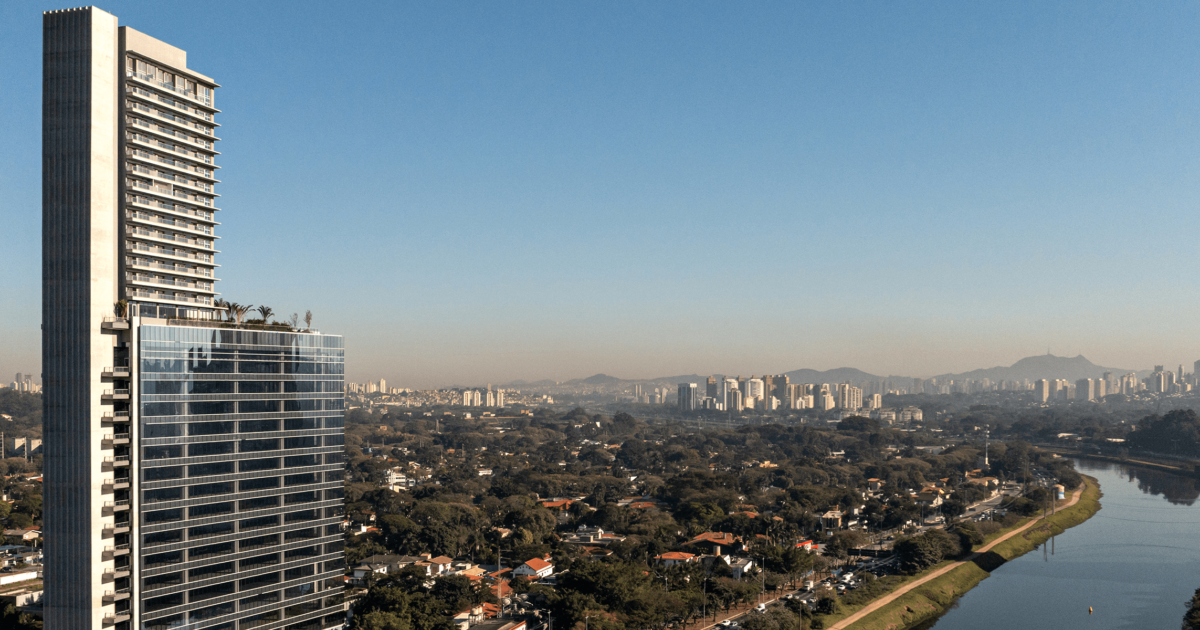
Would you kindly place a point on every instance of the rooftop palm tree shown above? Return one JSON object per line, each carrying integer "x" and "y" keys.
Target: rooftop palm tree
{"x": 239, "y": 310}
{"x": 266, "y": 312}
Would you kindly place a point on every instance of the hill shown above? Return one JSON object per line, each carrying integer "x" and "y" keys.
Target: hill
{"x": 1035, "y": 368}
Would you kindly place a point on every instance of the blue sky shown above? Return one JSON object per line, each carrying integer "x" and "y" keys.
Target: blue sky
{"x": 476, "y": 192}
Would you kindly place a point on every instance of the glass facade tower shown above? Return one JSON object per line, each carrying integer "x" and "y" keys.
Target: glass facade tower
{"x": 193, "y": 467}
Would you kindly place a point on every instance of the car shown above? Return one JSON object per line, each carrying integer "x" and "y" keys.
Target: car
{"x": 762, "y": 608}
{"x": 841, "y": 588}
{"x": 727, "y": 624}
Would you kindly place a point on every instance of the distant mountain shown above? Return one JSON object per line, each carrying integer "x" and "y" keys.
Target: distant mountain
{"x": 838, "y": 375}
{"x": 1035, "y": 368}
{"x": 598, "y": 379}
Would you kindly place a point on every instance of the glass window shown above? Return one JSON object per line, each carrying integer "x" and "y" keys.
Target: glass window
{"x": 210, "y": 367}
{"x": 258, "y": 542}
{"x": 298, "y": 424}
{"x": 252, "y": 465}
{"x": 247, "y": 505}
{"x": 209, "y": 551}
{"x": 308, "y": 441}
{"x": 162, "y": 603}
{"x": 162, "y": 516}
{"x": 159, "y": 581}
{"x": 163, "y": 473}
{"x": 302, "y": 552}
{"x": 162, "y": 387}
{"x": 300, "y": 405}
{"x": 161, "y": 452}
{"x": 259, "y": 445}
{"x": 259, "y": 600}
{"x": 210, "y": 448}
{"x": 334, "y": 423}
{"x": 299, "y": 480}
{"x": 258, "y": 523}
{"x": 210, "y": 428}
{"x": 162, "y": 409}
{"x": 210, "y": 387}
{"x": 213, "y": 611}
{"x": 257, "y": 426}
{"x": 210, "y": 408}
{"x": 163, "y": 494}
{"x": 335, "y": 440}
{"x": 258, "y": 406}
{"x": 299, "y": 572}
{"x": 261, "y": 483}
{"x": 301, "y": 497}
{"x": 156, "y": 560}
{"x": 210, "y": 489}
{"x": 259, "y": 562}
{"x": 214, "y": 468}
{"x": 260, "y": 581}
{"x": 258, "y": 367}
{"x": 303, "y": 534}
{"x": 204, "y": 531}
{"x": 212, "y": 570}
{"x": 209, "y": 592}
{"x": 162, "y": 430}
{"x": 162, "y": 538}
{"x": 258, "y": 387}
{"x": 210, "y": 509}
{"x": 300, "y": 386}
{"x": 302, "y": 515}
{"x": 301, "y": 460}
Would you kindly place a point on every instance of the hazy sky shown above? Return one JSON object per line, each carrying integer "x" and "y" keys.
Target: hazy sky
{"x": 490, "y": 191}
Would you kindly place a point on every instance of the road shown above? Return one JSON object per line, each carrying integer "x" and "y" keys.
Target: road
{"x": 890, "y": 597}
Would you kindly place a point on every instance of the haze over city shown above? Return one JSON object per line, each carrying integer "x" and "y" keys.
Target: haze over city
{"x": 484, "y": 193}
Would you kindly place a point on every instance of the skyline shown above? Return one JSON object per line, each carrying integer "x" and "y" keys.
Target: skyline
{"x": 553, "y": 192}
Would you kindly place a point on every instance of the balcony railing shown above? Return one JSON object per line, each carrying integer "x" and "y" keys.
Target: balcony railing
{"x": 187, "y": 166}
{"x": 193, "y": 285}
{"x": 173, "y": 103}
{"x": 146, "y": 264}
{"x": 149, "y": 78}
{"x": 162, "y": 251}
{"x": 151, "y": 295}
{"x": 154, "y": 218}
{"x": 163, "y": 236}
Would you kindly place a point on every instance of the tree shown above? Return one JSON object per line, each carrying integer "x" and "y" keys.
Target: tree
{"x": 266, "y": 312}
{"x": 1191, "y": 619}
{"x": 308, "y": 320}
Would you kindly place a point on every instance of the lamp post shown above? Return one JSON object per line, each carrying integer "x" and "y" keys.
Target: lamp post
{"x": 585, "y": 621}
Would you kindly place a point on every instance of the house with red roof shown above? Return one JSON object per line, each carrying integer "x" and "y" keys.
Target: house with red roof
{"x": 535, "y": 568}
{"x": 716, "y": 541}
{"x": 672, "y": 558}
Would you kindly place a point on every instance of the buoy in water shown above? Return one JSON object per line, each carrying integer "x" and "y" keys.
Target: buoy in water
{"x": 1089, "y": 610}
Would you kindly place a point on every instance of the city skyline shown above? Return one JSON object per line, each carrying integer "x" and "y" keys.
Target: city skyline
{"x": 667, "y": 189}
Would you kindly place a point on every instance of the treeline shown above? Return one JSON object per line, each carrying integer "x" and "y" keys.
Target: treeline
{"x": 767, "y": 484}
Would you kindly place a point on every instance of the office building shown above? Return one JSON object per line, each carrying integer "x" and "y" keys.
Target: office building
{"x": 710, "y": 386}
{"x": 1085, "y": 389}
{"x": 689, "y": 397}
{"x": 193, "y": 468}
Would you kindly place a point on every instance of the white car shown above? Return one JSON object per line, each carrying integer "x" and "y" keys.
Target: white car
{"x": 726, "y": 624}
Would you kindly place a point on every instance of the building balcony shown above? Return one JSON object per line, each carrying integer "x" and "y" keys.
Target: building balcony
{"x": 112, "y": 507}
{"x": 198, "y": 229}
{"x": 114, "y": 461}
{"x": 111, "y": 575}
{"x": 134, "y": 246}
{"x": 206, "y": 114}
{"x": 111, "y": 597}
{"x": 142, "y": 156}
{"x": 108, "y": 530}
{"x": 163, "y": 116}
{"x": 170, "y": 299}
{"x": 152, "y": 281}
{"x": 112, "y": 619}
{"x": 177, "y": 149}
{"x": 192, "y": 98}
{"x": 169, "y": 237}
{"x": 114, "y": 323}
{"x": 191, "y": 272}
{"x": 120, "y": 371}
{"x": 108, "y": 418}
{"x": 157, "y": 205}
{"x": 115, "y": 394}
{"x": 161, "y": 128}
{"x": 112, "y": 551}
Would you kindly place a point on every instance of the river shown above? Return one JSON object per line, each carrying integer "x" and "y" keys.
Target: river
{"x": 1135, "y": 563}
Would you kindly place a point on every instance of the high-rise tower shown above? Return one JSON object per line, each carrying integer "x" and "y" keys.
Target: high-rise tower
{"x": 193, "y": 466}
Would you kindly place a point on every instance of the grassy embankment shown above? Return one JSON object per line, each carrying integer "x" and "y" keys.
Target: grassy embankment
{"x": 932, "y": 598}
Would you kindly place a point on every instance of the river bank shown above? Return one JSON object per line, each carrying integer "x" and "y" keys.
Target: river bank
{"x": 933, "y": 593}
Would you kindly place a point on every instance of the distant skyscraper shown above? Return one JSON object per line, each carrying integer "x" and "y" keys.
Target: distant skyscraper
{"x": 754, "y": 389}
{"x": 710, "y": 386}
{"x": 689, "y": 397}
{"x": 500, "y": 398}
{"x": 1085, "y": 389}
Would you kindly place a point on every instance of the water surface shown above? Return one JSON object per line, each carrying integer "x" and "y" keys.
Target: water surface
{"x": 1136, "y": 563}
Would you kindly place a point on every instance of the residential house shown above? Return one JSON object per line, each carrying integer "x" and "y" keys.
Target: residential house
{"x": 716, "y": 541}
{"x": 535, "y": 568}
{"x": 672, "y": 558}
